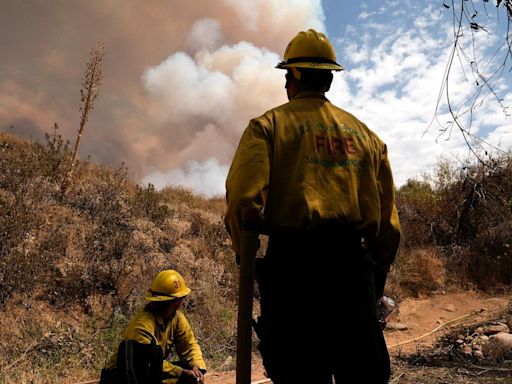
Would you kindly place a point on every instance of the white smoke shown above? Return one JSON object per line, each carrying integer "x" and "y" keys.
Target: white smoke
{"x": 207, "y": 94}
{"x": 182, "y": 89}
{"x": 205, "y": 33}
{"x": 205, "y": 178}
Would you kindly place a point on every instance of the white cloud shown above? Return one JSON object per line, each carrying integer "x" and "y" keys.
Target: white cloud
{"x": 364, "y": 15}
{"x": 393, "y": 82}
{"x": 356, "y": 53}
{"x": 502, "y": 136}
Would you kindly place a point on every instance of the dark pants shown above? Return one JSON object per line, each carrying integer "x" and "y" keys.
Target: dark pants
{"x": 318, "y": 316}
{"x": 111, "y": 376}
{"x": 141, "y": 364}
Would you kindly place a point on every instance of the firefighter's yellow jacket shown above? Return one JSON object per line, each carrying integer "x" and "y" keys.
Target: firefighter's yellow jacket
{"x": 307, "y": 162}
{"x": 147, "y": 326}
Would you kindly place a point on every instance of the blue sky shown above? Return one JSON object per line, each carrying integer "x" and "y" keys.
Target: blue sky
{"x": 181, "y": 80}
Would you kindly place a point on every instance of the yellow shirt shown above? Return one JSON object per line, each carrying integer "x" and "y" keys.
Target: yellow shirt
{"x": 307, "y": 162}
{"x": 147, "y": 326}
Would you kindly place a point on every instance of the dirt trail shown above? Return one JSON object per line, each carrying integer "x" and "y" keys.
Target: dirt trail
{"x": 421, "y": 315}
{"x": 426, "y": 314}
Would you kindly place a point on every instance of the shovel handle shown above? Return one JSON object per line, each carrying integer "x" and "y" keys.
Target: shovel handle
{"x": 249, "y": 247}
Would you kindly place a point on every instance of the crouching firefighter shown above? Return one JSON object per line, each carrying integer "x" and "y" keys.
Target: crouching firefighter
{"x": 141, "y": 357}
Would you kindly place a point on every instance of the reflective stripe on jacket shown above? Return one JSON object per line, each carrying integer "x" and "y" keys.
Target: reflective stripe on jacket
{"x": 147, "y": 326}
{"x": 307, "y": 163}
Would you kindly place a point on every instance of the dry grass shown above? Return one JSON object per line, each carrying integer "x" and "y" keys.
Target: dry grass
{"x": 74, "y": 267}
{"x": 90, "y": 255}
{"x": 466, "y": 215}
{"x": 404, "y": 373}
{"x": 417, "y": 271}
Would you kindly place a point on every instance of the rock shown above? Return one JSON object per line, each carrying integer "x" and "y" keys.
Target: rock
{"x": 509, "y": 322}
{"x": 496, "y": 328}
{"x": 499, "y": 346}
{"x": 449, "y": 308}
{"x": 504, "y": 339}
{"x": 391, "y": 326}
{"x": 466, "y": 349}
{"x": 479, "y": 331}
{"x": 476, "y": 347}
{"x": 478, "y": 354}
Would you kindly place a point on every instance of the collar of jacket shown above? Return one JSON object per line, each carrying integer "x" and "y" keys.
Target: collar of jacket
{"x": 160, "y": 320}
{"x": 310, "y": 94}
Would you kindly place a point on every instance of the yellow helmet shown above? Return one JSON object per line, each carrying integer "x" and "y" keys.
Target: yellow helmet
{"x": 310, "y": 49}
{"x": 167, "y": 285}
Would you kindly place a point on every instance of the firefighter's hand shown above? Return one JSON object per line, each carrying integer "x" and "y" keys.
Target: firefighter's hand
{"x": 385, "y": 307}
{"x": 195, "y": 373}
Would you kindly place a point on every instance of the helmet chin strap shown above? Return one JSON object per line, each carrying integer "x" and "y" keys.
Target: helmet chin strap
{"x": 296, "y": 73}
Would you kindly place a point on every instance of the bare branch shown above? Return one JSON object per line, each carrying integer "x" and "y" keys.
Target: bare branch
{"x": 485, "y": 71}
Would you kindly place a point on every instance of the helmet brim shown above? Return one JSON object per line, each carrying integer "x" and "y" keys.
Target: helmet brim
{"x": 150, "y": 297}
{"x": 329, "y": 66}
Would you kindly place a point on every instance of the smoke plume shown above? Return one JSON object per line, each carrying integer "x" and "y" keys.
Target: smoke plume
{"x": 181, "y": 79}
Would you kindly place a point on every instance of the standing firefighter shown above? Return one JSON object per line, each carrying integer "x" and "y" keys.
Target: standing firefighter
{"x": 323, "y": 185}
{"x": 150, "y": 336}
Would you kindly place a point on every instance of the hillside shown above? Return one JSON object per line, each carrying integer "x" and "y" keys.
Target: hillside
{"x": 82, "y": 261}
{"x": 74, "y": 265}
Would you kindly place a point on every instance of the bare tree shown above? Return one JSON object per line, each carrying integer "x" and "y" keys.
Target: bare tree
{"x": 89, "y": 92}
{"x": 483, "y": 69}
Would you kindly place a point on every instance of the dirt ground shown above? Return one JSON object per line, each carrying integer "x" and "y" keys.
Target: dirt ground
{"x": 440, "y": 313}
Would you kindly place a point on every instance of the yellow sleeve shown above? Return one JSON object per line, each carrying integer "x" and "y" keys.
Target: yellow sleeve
{"x": 248, "y": 178}
{"x": 385, "y": 246}
{"x": 187, "y": 348}
{"x": 170, "y": 372}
